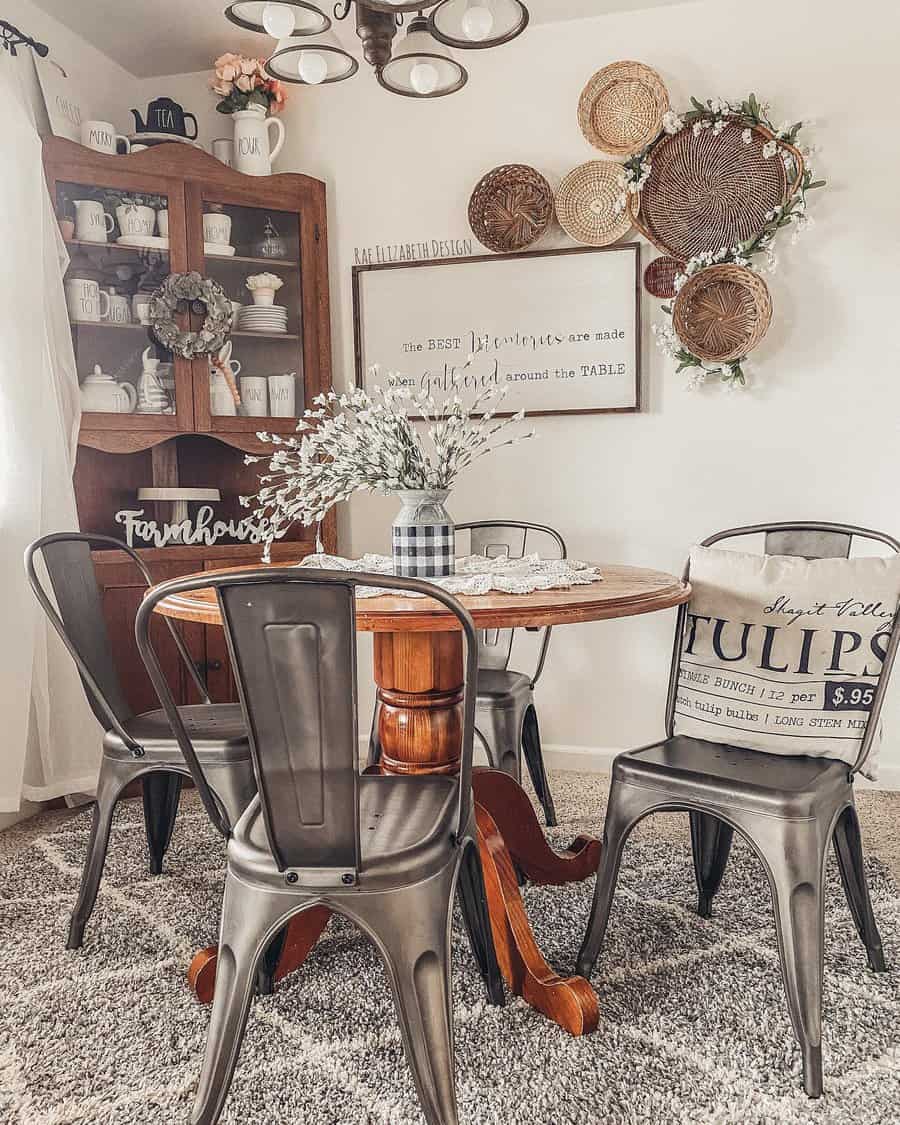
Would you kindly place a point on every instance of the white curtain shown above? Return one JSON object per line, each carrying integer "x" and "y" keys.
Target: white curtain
{"x": 51, "y": 741}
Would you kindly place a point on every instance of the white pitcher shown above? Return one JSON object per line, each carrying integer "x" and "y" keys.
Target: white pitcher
{"x": 252, "y": 152}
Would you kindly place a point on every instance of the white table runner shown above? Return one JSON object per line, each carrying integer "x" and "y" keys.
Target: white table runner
{"x": 475, "y": 575}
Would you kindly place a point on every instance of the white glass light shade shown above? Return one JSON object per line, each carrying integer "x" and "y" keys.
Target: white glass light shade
{"x": 269, "y": 17}
{"x": 311, "y": 62}
{"x": 474, "y": 24}
{"x": 421, "y": 67}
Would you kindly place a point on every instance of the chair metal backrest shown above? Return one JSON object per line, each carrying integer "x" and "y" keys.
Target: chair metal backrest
{"x": 292, "y": 638}
{"x": 810, "y": 541}
{"x": 510, "y": 539}
{"x": 80, "y": 623}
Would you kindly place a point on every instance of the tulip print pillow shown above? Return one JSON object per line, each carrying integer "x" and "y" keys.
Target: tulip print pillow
{"x": 783, "y": 654}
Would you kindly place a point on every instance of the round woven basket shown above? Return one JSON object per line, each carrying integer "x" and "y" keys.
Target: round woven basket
{"x": 622, "y": 107}
{"x": 586, "y": 204}
{"x": 722, "y": 312}
{"x": 659, "y": 276}
{"x": 510, "y": 208}
{"x": 711, "y": 190}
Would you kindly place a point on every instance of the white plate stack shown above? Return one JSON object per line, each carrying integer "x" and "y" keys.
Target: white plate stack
{"x": 263, "y": 318}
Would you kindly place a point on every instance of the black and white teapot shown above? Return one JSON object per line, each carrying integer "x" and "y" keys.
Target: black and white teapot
{"x": 165, "y": 116}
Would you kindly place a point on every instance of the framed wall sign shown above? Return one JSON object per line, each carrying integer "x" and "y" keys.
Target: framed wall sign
{"x": 559, "y": 328}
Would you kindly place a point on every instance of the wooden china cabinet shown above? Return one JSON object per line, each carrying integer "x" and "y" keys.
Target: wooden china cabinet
{"x": 277, "y": 226}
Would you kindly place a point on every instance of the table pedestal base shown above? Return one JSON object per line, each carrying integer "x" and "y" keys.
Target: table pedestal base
{"x": 419, "y": 677}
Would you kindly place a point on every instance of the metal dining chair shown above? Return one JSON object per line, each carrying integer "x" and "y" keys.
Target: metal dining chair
{"x": 385, "y": 852}
{"x": 787, "y": 808}
{"x": 506, "y": 721}
{"x": 135, "y": 747}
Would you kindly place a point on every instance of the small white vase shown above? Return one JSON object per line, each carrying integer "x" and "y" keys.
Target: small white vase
{"x": 263, "y": 296}
{"x": 253, "y": 152}
{"x": 423, "y": 535}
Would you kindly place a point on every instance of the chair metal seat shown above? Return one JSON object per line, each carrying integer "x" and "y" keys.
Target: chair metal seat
{"x": 729, "y": 776}
{"x": 215, "y": 729}
{"x": 406, "y": 833}
{"x": 501, "y": 687}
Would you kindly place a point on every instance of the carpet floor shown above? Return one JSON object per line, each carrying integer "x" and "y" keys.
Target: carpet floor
{"x": 693, "y": 1029}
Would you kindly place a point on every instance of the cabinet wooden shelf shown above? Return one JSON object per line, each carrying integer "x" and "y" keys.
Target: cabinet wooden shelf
{"x": 192, "y": 447}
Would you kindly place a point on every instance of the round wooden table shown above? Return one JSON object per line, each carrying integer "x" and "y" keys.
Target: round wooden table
{"x": 419, "y": 676}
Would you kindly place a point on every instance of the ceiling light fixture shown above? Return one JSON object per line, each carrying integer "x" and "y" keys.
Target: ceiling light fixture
{"x": 418, "y": 66}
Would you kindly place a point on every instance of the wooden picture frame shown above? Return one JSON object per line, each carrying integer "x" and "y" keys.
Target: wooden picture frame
{"x": 576, "y": 312}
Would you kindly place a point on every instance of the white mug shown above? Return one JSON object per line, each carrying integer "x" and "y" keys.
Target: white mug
{"x": 140, "y": 304}
{"x": 255, "y": 395}
{"x": 136, "y": 220}
{"x": 282, "y": 392}
{"x": 102, "y": 137}
{"x": 217, "y": 228}
{"x": 223, "y": 149}
{"x": 119, "y": 308}
{"x": 92, "y": 223}
{"x": 162, "y": 221}
{"x": 84, "y": 299}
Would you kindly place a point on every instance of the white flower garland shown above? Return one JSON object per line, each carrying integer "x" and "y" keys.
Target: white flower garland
{"x": 716, "y": 114}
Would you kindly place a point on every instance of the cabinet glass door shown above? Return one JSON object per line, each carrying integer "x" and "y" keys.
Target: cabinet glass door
{"x": 121, "y": 244}
{"x": 254, "y": 252}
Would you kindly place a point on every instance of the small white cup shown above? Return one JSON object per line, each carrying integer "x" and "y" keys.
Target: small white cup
{"x": 223, "y": 149}
{"x": 85, "y": 300}
{"x": 263, "y": 296}
{"x": 119, "y": 308}
{"x": 217, "y": 228}
{"x": 282, "y": 396}
{"x": 140, "y": 306}
{"x": 255, "y": 396}
{"x": 136, "y": 221}
{"x": 236, "y": 307}
{"x": 101, "y": 136}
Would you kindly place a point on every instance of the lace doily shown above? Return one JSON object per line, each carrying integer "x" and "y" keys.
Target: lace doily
{"x": 475, "y": 574}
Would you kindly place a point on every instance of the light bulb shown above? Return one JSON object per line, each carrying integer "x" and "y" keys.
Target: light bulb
{"x": 424, "y": 78}
{"x": 312, "y": 67}
{"x": 477, "y": 22}
{"x": 278, "y": 20}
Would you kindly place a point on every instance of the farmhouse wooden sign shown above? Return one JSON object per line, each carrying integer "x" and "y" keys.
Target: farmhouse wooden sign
{"x": 560, "y": 329}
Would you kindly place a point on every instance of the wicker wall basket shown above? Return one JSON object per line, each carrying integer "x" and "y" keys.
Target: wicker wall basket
{"x": 659, "y": 277}
{"x": 622, "y": 107}
{"x": 586, "y": 204}
{"x": 510, "y": 208}
{"x": 710, "y": 191}
{"x": 722, "y": 312}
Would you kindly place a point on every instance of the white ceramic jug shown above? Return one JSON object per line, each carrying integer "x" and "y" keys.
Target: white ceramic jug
{"x": 101, "y": 394}
{"x": 253, "y": 154}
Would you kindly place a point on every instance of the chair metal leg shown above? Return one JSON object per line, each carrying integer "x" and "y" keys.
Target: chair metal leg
{"x": 413, "y": 929}
{"x": 711, "y": 844}
{"x": 795, "y": 862}
{"x": 849, "y": 851}
{"x": 500, "y": 730}
{"x": 265, "y": 978}
{"x": 534, "y": 759}
{"x": 374, "y": 755}
{"x": 624, "y": 809}
{"x": 473, "y": 904}
{"x": 104, "y": 807}
{"x": 161, "y": 792}
{"x": 248, "y": 914}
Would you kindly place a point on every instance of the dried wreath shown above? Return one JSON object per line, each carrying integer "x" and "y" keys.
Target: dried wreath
{"x": 195, "y": 289}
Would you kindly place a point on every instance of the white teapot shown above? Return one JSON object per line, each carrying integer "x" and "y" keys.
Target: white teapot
{"x": 101, "y": 394}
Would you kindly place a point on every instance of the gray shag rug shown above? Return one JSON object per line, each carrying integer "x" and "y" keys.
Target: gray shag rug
{"x": 693, "y": 1021}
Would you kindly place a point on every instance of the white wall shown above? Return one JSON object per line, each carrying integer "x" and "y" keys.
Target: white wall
{"x": 104, "y": 85}
{"x": 815, "y": 437}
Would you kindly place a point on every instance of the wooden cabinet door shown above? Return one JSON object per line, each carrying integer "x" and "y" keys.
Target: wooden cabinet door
{"x": 122, "y": 591}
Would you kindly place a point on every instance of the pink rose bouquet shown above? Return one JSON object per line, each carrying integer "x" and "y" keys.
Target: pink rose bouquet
{"x": 242, "y": 82}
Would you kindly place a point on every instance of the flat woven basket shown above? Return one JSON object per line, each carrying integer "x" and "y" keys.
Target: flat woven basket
{"x": 722, "y": 312}
{"x": 659, "y": 276}
{"x": 586, "y": 204}
{"x": 510, "y": 208}
{"x": 709, "y": 191}
{"x": 622, "y": 107}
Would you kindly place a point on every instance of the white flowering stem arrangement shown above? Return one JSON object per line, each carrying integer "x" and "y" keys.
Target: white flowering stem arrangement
{"x": 360, "y": 442}
{"x": 715, "y": 114}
